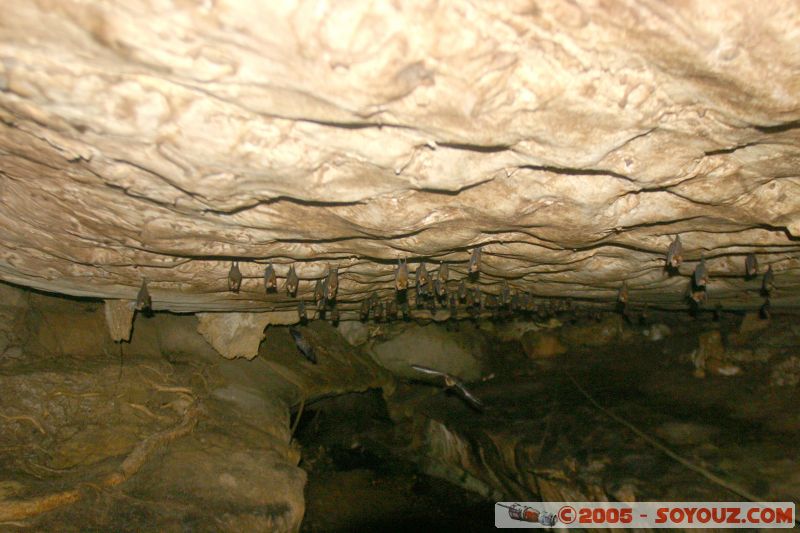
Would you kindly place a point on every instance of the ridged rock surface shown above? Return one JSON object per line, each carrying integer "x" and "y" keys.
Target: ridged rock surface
{"x": 572, "y": 141}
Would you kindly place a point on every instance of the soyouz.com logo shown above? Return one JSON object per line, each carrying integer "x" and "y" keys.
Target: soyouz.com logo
{"x": 645, "y": 514}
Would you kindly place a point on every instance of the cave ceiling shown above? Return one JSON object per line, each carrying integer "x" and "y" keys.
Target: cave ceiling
{"x": 572, "y": 141}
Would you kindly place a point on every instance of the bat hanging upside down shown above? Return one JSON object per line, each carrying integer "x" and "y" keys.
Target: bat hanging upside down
{"x": 234, "y": 278}
{"x": 143, "y": 301}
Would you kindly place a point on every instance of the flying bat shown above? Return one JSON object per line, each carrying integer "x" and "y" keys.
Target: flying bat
{"x": 303, "y": 345}
{"x": 452, "y": 383}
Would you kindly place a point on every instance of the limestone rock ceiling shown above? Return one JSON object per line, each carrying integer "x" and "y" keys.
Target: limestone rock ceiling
{"x": 572, "y": 141}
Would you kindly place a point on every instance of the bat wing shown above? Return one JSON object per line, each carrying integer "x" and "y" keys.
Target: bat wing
{"x": 469, "y": 396}
{"x": 427, "y": 370}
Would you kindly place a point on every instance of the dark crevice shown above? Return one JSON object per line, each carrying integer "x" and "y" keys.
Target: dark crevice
{"x": 722, "y": 151}
{"x": 661, "y": 223}
{"x": 578, "y": 171}
{"x": 156, "y": 175}
{"x": 278, "y": 199}
{"x": 483, "y": 149}
{"x": 456, "y": 192}
{"x": 779, "y": 128}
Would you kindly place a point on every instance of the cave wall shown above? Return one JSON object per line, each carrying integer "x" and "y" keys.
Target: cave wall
{"x": 159, "y": 432}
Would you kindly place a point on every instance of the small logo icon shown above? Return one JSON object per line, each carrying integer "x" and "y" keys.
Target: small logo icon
{"x": 567, "y": 514}
{"x": 523, "y": 513}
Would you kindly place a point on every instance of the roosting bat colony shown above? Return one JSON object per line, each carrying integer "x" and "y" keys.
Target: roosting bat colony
{"x": 436, "y": 289}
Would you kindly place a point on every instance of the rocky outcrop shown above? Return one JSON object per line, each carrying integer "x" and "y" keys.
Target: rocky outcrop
{"x": 233, "y": 334}
{"x": 13, "y": 329}
{"x": 540, "y": 345}
{"x": 572, "y": 141}
{"x": 431, "y": 346}
{"x": 119, "y": 319}
{"x": 174, "y": 436}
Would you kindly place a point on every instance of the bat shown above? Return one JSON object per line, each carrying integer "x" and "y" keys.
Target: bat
{"x": 452, "y": 382}
{"x": 475, "y": 261}
{"x": 438, "y": 288}
{"x": 332, "y": 283}
{"x": 698, "y": 295}
{"x": 444, "y": 272}
{"x": 505, "y": 294}
{"x": 335, "y": 316}
{"x": 303, "y": 345}
{"x": 422, "y": 278}
{"x": 751, "y": 265}
{"x": 675, "y": 253}
{"x": 765, "y": 312}
{"x": 301, "y": 311}
{"x": 768, "y": 282}
{"x": 453, "y": 305}
{"x": 401, "y": 275}
{"x": 292, "y": 282}
{"x": 525, "y": 302}
{"x": 364, "y": 311}
{"x": 143, "y": 300}
{"x": 270, "y": 279}
{"x": 515, "y": 302}
{"x": 700, "y": 275}
{"x": 319, "y": 295}
{"x": 462, "y": 290}
{"x": 622, "y": 294}
{"x": 234, "y": 278}
{"x": 476, "y": 297}
{"x": 419, "y": 295}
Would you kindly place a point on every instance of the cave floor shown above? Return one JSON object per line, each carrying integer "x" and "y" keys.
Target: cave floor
{"x": 358, "y": 482}
{"x": 389, "y": 496}
{"x": 741, "y": 428}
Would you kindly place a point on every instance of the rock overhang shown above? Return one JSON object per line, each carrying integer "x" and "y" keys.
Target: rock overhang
{"x": 571, "y": 142}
